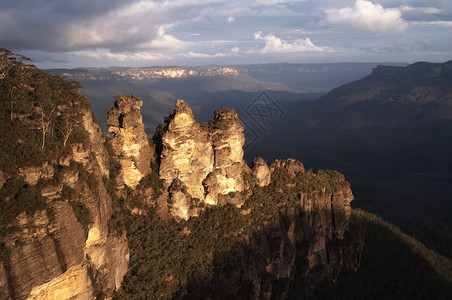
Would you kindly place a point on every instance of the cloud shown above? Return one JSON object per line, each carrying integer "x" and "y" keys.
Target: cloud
{"x": 368, "y": 16}
{"x": 422, "y": 10}
{"x": 162, "y": 41}
{"x": 272, "y": 2}
{"x": 117, "y": 26}
{"x": 258, "y": 35}
{"x": 105, "y": 55}
{"x": 433, "y": 23}
{"x": 274, "y": 44}
{"x": 95, "y": 32}
{"x": 202, "y": 55}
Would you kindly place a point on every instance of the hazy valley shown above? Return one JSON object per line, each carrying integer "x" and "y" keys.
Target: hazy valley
{"x": 388, "y": 131}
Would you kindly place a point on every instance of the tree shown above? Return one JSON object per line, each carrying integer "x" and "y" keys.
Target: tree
{"x": 14, "y": 81}
{"x": 66, "y": 126}
{"x": 42, "y": 103}
{"x": 46, "y": 106}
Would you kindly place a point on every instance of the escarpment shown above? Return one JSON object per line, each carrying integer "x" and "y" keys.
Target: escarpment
{"x": 299, "y": 235}
{"x": 55, "y": 241}
{"x": 62, "y": 248}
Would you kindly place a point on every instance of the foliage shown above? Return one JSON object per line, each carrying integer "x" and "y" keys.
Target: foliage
{"x": 165, "y": 252}
{"x": 17, "y": 196}
{"x": 115, "y": 166}
{"x": 5, "y": 253}
{"x": 153, "y": 181}
{"x": 183, "y": 260}
{"x": 42, "y": 110}
{"x": 82, "y": 213}
{"x": 116, "y": 224}
{"x": 86, "y": 176}
{"x": 394, "y": 266}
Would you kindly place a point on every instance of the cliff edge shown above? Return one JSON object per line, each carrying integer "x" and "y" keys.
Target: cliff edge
{"x": 55, "y": 209}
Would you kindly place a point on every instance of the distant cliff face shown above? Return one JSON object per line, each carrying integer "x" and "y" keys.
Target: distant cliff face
{"x": 200, "y": 164}
{"x": 153, "y": 73}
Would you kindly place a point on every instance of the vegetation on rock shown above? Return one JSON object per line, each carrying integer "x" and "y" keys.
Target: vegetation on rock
{"x": 43, "y": 110}
{"x": 200, "y": 258}
{"x": 394, "y": 266}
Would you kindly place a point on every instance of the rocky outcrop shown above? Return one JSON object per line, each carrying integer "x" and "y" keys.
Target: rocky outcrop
{"x": 66, "y": 250}
{"x": 187, "y": 153}
{"x": 261, "y": 171}
{"x": 200, "y": 164}
{"x": 289, "y": 225}
{"x": 33, "y": 174}
{"x": 302, "y": 244}
{"x": 130, "y": 142}
{"x": 226, "y": 131}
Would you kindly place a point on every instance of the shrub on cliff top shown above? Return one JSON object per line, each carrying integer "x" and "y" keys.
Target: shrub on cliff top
{"x": 39, "y": 113}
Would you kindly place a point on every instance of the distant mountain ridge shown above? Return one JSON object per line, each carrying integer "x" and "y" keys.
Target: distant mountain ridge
{"x": 390, "y": 133}
{"x": 145, "y": 73}
{"x": 421, "y": 81}
{"x": 209, "y": 87}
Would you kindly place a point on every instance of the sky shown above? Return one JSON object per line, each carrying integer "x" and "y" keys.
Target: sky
{"x": 102, "y": 33}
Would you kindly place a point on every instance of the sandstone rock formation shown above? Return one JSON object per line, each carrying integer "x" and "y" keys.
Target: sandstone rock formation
{"x": 54, "y": 253}
{"x": 201, "y": 164}
{"x": 261, "y": 171}
{"x": 226, "y": 131}
{"x": 130, "y": 142}
{"x": 301, "y": 245}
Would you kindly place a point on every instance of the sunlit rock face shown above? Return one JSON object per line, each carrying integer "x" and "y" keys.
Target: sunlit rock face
{"x": 52, "y": 255}
{"x": 226, "y": 131}
{"x": 130, "y": 142}
{"x": 261, "y": 171}
{"x": 206, "y": 160}
{"x": 187, "y": 153}
{"x": 33, "y": 174}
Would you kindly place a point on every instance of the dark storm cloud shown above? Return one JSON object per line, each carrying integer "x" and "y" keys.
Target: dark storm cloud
{"x": 79, "y": 25}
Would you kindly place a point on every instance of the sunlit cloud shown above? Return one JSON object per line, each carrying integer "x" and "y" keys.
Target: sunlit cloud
{"x": 105, "y": 55}
{"x": 201, "y": 55}
{"x": 423, "y": 10}
{"x": 274, "y": 44}
{"x": 368, "y": 16}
